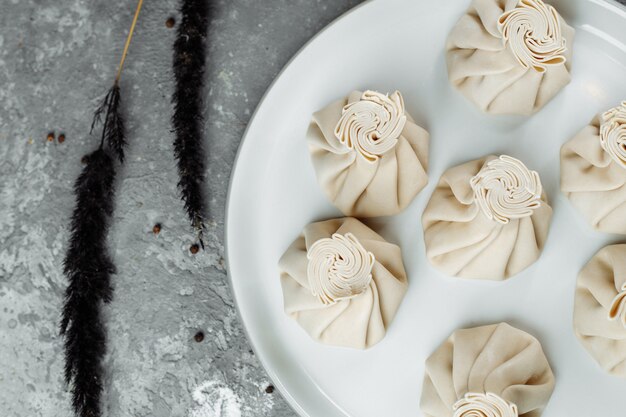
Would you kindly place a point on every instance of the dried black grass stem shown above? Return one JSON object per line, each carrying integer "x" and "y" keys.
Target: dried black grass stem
{"x": 189, "y": 67}
{"x": 88, "y": 268}
{"x": 87, "y": 264}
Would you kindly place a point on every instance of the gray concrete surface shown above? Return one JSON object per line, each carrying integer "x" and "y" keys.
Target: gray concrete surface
{"x": 57, "y": 58}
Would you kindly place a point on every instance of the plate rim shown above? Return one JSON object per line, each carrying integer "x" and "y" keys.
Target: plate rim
{"x": 612, "y": 5}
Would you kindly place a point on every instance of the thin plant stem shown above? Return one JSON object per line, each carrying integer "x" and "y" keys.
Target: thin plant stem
{"x": 128, "y": 39}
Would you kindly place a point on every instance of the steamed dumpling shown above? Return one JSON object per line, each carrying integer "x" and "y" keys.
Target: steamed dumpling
{"x": 487, "y": 219}
{"x": 600, "y": 308}
{"x": 370, "y": 157}
{"x": 593, "y": 171}
{"x": 510, "y": 56}
{"x": 343, "y": 283}
{"x": 494, "y": 371}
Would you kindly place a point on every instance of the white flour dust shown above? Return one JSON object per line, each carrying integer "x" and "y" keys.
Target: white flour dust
{"x": 214, "y": 399}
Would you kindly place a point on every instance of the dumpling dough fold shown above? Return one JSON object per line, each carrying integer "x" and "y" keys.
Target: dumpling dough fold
{"x": 357, "y": 322}
{"x": 355, "y": 181}
{"x": 600, "y": 289}
{"x": 462, "y": 241}
{"x": 518, "y": 75}
{"x": 593, "y": 179}
{"x": 497, "y": 360}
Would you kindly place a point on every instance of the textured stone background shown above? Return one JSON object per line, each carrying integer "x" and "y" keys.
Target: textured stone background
{"x": 57, "y": 59}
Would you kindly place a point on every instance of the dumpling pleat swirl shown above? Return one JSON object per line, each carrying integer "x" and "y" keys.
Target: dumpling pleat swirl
{"x": 506, "y": 189}
{"x": 484, "y": 405}
{"x": 339, "y": 267}
{"x": 372, "y": 125}
{"x": 532, "y": 31}
{"x": 613, "y": 133}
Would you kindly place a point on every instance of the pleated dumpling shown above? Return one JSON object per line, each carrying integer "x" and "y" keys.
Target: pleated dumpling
{"x": 370, "y": 157}
{"x": 343, "y": 283}
{"x": 487, "y": 219}
{"x": 593, "y": 171}
{"x": 494, "y": 371}
{"x": 600, "y": 308}
{"x": 510, "y": 56}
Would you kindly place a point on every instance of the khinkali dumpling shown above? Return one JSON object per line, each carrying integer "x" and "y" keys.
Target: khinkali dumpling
{"x": 343, "y": 283}
{"x": 370, "y": 157}
{"x": 489, "y": 371}
{"x": 487, "y": 219}
{"x": 600, "y": 308}
{"x": 510, "y": 56}
{"x": 593, "y": 171}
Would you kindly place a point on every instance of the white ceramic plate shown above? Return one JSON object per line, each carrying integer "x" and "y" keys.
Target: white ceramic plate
{"x": 399, "y": 44}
